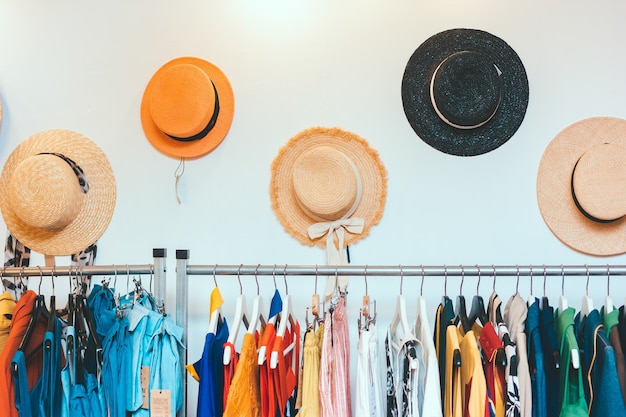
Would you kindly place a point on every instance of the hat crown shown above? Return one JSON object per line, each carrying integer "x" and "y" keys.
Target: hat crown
{"x": 182, "y": 101}
{"x": 599, "y": 182}
{"x": 45, "y": 192}
{"x": 325, "y": 183}
{"x": 466, "y": 89}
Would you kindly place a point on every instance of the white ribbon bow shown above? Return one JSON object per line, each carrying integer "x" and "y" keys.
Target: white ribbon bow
{"x": 336, "y": 255}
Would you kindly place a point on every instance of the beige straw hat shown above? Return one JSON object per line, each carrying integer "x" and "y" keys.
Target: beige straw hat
{"x": 327, "y": 180}
{"x": 57, "y": 192}
{"x": 581, "y": 186}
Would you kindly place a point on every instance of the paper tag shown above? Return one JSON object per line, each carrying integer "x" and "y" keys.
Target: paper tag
{"x": 160, "y": 403}
{"x": 145, "y": 384}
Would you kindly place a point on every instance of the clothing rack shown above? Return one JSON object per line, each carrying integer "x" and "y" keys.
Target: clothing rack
{"x": 158, "y": 269}
{"x": 184, "y": 270}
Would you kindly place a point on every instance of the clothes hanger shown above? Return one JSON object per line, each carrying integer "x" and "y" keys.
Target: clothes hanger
{"x": 365, "y": 318}
{"x": 287, "y": 317}
{"x": 422, "y": 313}
{"x": 545, "y": 302}
{"x": 444, "y": 298}
{"x": 497, "y": 313}
{"x": 39, "y": 311}
{"x": 608, "y": 302}
{"x": 215, "y": 307}
{"x": 586, "y": 304}
{"x": 574, "y": 354}
{"x": 238, "y": 319}
{"x": 276, "y": 306}
{"x": 256, "y": 316}
{"x": 477, "y": 310}
{"x": 461, "y": 309}
{"x": 531, "y": 297}
{"x": 562, "y": 299}
{"x": 400, "y": 317}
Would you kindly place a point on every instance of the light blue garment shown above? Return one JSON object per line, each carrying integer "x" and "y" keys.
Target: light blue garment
{"x": 155, "y": 339}
{"x": 27, "y": 403}
{"x": 116, "y": 366}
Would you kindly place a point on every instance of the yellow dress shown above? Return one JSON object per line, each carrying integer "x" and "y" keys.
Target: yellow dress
{"x": 7, "y": 305}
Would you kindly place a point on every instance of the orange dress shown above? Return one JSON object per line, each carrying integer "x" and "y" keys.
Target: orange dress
{"x": 21, "y": 319}
{"x": 244, "y": 398}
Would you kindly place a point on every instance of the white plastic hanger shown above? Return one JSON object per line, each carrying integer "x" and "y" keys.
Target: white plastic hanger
{"x": 215, "y": 306}
{"x": 586, "y": 304}
{"x": 287, "y": 317}
{"x": 422, "y": 313}
{"x": 256, "y": 315}
{"x": 239, "y": 318}
{"x": 275, "y": 304}
{"x": 400, "y": 317}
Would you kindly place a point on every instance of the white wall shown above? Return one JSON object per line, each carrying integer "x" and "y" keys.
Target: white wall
{"x": 293, "y": 65}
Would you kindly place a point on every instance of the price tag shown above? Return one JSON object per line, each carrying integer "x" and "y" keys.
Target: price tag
{"x": 145, "y": 384}
{"x": 160, "y": 403}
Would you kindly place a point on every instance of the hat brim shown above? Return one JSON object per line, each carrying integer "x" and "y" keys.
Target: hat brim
{"x": 367, "y": 161}
{"x": 422, "y": 116}
{"x": 554, "y": 192}
{"x": 97, "y": 210}
{"x": 196, "y": 148}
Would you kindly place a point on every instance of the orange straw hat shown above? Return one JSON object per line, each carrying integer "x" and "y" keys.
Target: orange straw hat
{"x": 187, "y": 108}
{"x": 581, "y": 184}
{"x": 57, "y": 192}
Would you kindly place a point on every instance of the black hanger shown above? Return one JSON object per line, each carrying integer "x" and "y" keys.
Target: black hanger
{"x": 39, "y": 311}
{"x": 478, "y": 311}
{"x": 460, "y": 308}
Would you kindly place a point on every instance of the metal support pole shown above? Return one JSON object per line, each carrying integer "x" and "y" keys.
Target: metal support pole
{"x": 182, "y": 296}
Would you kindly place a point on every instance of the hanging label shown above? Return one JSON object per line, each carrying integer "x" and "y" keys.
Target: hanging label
{"x": 145, "y": 384}
{"x": 160, "y": 403}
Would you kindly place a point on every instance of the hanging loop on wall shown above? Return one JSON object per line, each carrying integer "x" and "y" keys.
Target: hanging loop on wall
{"x": 180, "y": 170}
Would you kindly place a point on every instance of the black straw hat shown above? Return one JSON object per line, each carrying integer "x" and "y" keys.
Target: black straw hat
{"x": 465, "y": 92}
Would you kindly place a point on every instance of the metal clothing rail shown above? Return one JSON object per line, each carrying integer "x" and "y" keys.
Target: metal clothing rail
{"x": 184, "y": 270}
{"x": 158, "y": 269}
